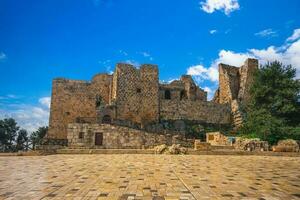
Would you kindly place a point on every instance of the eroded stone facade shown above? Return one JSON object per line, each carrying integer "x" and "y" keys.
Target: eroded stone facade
{"x": 134, "y": 97}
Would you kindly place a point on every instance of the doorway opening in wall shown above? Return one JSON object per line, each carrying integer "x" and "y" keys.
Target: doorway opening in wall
{"x": 98, "y": 139}
{"x": 183, "y": 95}
{"x": 167, "y": 94}
{"x": 106, "y": 119}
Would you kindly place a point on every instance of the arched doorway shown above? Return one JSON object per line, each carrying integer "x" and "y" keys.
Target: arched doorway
{"x": 106, "y": 119}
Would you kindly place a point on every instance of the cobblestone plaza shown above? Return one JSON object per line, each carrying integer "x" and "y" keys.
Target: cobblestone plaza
{"x": 132, "y": 176}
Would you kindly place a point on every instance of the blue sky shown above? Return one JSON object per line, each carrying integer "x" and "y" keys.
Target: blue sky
{"x": 44, "y": 39}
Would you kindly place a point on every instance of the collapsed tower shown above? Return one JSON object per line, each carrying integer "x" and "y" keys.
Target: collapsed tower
{"x": 234, "y": 87}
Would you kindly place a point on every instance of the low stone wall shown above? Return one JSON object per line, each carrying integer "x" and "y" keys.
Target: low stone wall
{"x": 117, "y": 137}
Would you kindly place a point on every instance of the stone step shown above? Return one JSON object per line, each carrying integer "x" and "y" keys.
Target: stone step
{"x": 105, "y": 151}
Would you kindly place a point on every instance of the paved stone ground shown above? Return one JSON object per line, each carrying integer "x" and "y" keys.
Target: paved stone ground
{"x": 149, "y": 177}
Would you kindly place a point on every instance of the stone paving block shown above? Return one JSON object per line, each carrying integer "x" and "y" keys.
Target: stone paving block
{"x": 149, "y": 177}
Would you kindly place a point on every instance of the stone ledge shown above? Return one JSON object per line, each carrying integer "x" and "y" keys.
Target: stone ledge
{"x": 189, "y": 152}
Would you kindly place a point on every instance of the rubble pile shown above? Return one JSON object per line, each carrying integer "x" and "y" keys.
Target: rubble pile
{"x": 288, "y": 145}
{"x": 174, "y": 149}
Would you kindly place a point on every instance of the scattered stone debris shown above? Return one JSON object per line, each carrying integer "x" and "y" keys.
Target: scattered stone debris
{"x": 288, "y": 145}
{"x": 174, "y": 149}
{"x": 160, "y": 149}
{"x": 251, "y": 144}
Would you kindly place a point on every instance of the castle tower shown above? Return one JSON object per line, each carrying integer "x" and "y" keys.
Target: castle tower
{"x": 135, "y": 93}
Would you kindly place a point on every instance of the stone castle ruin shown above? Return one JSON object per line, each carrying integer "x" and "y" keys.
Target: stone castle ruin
{"x": 132, "y": 109}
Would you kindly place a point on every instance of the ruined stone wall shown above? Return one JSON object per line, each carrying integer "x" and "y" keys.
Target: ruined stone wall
{"x": 136, "y": 93}
{"x": 175, "y": 88}
{"x": 72, "y": 99}
{"x": 149, "y": 92}
{"x": 185, "y": 88}
{"x": 234, "y": 88}
{"x": 193, "y": 91}
{"x": 247, "y": 72}
{"x": 114, "y": 137}
{"x": 229, "y": 83}
{"x": 208, "y": 112}
{"x": 113, "y": 89}
{"x": 235, "y": 82}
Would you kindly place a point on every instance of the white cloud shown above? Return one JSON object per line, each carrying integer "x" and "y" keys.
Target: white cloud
{"x": 2, "y": 56}
{"x": 132, "y": 62}
{"x": 210, "y": 92}
{"x": 213, "y": 31}
{"x": 28, "y": 116}
{"x": 124, "y": 53}
{"x": 168, "y": 81}
{"x": 227, "y": 6}
{"x": 104, "y": 62}
{"x": 287, "y": 53}
{"x": 267, "y": 33}
{"x": 9, "y": 96}
{"x": 230, "y": 58}
{"x": 295, "y": 36}
{"x": 45, "y": 101}
{"x": 146, "y": 55}
{"x": 200, "y": 73}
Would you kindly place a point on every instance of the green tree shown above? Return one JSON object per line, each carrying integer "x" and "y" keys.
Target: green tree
{"x": 37, "y": 136}
{"x": 22, "y": 140}
{"x": 274, "y": 110}
{"x": 3, "y": 137}
{"x": 276, "y": 90}
{"x": 8, "y": 133}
